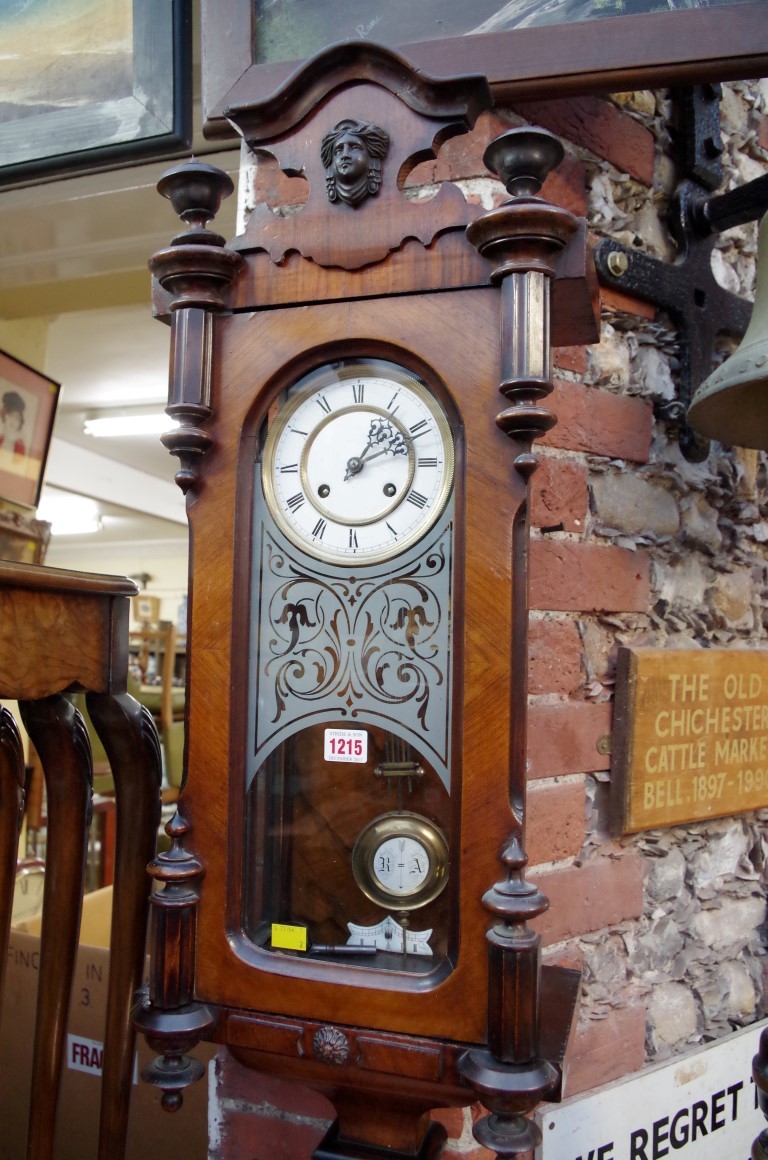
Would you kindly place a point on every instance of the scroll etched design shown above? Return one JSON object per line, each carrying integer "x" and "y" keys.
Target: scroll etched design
{"x": 372, "y": 647}
{"x": 355, "y": 638}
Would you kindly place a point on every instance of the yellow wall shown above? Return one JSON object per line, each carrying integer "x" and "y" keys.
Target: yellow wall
{"x": 26, "y": 339}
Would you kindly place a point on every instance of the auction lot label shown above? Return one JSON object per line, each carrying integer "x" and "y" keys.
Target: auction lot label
{"x": 700, "y": 1106}
{"x": 690, "y": 735}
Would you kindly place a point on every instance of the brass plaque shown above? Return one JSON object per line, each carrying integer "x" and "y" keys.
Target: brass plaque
{"x": 690, "y": 737}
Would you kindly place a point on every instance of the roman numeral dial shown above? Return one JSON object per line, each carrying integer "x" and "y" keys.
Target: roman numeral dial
{"x": 358, "y": 461}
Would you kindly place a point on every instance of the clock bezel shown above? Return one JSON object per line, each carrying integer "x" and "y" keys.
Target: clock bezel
{"x": 395, "y": 825}
{"x": 306, "y": 385}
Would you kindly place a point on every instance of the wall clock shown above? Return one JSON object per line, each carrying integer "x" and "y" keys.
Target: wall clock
{"x": 356, "y": 696}
{"x": 28, "y": 890}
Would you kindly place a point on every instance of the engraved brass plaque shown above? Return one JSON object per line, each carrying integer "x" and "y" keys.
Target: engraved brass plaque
{"x": 690, "y": 736}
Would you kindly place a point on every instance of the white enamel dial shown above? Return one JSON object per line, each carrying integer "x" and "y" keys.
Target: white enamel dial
{"x": 401, "y": 866}
{"x": 358, "y": 462}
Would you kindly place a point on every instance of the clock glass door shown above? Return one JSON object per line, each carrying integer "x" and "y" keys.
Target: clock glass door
{"x": 352, "y": 798}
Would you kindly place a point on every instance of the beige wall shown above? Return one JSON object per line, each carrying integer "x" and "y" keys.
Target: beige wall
{"x": 25, "y": 339}
{"x": 165, "y": 563}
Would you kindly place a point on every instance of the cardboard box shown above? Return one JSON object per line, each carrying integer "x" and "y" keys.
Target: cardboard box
{"x": 151, "y": 1131}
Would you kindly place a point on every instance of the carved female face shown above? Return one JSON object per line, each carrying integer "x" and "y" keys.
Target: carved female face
{"x": 352, "y": 153}
{"x": 350, "y": 158}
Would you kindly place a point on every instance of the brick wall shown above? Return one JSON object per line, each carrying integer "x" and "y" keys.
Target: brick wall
{"x": 630, "y": 545}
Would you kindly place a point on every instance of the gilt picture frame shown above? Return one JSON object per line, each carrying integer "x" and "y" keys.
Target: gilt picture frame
{"x": 28, "y": 401}
{"x": 87, "y": 84}
{"x": 659, "y": 43}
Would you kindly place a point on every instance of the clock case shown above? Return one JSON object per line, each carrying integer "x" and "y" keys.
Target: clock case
{"x": 396, "y": 278}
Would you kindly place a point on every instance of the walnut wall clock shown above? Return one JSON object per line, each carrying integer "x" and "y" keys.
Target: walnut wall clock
{"x": 357, "y": 497}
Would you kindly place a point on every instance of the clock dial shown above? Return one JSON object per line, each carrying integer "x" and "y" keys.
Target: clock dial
{"x": 401, "y": 865}
{"x": 358, "y": 462}
{"x": 28, "y": 891}
{"x": 400, "y": 860}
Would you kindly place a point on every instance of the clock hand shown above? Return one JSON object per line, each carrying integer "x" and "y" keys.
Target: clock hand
{"x": 401, "y": 847}
{"x": 381, "y": 431}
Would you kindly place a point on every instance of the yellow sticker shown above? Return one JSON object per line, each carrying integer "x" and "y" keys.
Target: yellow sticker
{"x": 288, "y": 938}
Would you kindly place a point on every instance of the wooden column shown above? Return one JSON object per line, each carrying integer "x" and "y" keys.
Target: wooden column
{"x": 521, "y": 237}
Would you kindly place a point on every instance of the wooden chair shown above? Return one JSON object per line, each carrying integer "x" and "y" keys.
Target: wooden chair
{"x": 66, "y": 631}
{"x": 153, "y": 651}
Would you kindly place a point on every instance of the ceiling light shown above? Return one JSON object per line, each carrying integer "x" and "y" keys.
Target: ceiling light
{"x": 155, "y": 423}
{"x": 70, "y": 515}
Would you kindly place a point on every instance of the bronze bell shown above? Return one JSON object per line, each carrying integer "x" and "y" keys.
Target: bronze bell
{"x": 731, "y": 405}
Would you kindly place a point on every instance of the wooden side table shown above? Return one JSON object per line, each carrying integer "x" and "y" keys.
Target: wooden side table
{"x": 61, "y": 632}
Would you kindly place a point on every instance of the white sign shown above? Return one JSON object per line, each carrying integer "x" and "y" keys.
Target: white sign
{"x": 88, "y": 1055}
{"x": 346, "y": 745}
{"x": 84, "y": 1054}
{"x": 701, "y": 1106}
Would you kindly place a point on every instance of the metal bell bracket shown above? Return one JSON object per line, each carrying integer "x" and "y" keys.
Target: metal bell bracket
{"x": 687, "y": 289}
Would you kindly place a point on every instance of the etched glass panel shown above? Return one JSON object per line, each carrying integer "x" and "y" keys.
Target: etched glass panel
{"x": 349, "y": 811}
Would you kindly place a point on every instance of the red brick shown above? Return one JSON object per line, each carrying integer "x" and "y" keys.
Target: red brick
{"x": 276, "y": 188}
{"x": 569, "y": 576}
{"x": 564, "y": 738}
{"x": 452, "y": 1120}
{"x": 554, "y": 657}
{"x": 257, "y": 1110}
{"x": 245, "y": 1136}
{"x": 450, "y": 1152}
{"x": 626, "y": 303}
{"x": 602, "y": 1050}
{"x": 582, "y": 899}
{"x": 559, "y": 495}
{"x": 461, "y": 158}
{"x": 568, "y": 955}
{"x": 599, "y": 422}
{"x": 600, "y": 127}
{"x": 555, "y": 822}
{"x": 460, "y": 1144}
{"x": 234, "y": 1081}
{"x": 570, "y": 358}
{"x": 763, "y": 133}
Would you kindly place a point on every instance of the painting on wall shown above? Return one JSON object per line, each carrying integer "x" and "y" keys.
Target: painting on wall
{"x": 527, "y": 49}
{"x": 289, "y": 29}
{"x": 86, "y": 83}
{"x": 28, "y": 402}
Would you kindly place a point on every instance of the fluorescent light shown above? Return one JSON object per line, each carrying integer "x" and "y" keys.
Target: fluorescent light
{"x": 70, "y": 515}
{"x": 116, "y": 425}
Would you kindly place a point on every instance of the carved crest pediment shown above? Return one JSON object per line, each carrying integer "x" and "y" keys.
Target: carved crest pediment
{"x": 353, "y": 123}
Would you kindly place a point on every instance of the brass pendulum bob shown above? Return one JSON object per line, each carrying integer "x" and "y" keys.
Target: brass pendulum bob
{"x": 731, "y": 405}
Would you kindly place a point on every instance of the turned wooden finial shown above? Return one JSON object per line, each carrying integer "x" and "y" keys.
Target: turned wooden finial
{"x": 523, "y": 159}
{"x": 196, "y": 191}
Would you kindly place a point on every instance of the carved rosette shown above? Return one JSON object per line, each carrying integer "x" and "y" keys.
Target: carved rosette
{"x": 331, "y": 1045}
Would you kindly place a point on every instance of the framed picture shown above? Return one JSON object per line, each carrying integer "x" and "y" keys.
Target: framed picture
{"x": 23, "y": 539}
{"x": 526, "y": 48}
{"x": 28, "y": 402}
{"x": 89, "y": 83}
{"x": 146, "y": 609}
